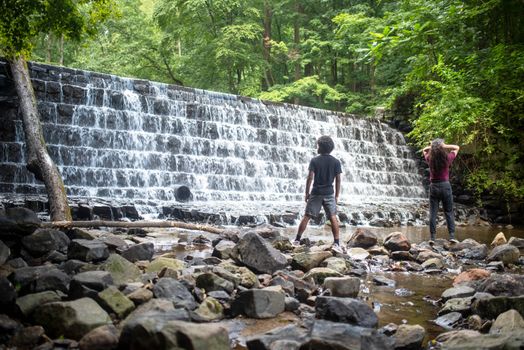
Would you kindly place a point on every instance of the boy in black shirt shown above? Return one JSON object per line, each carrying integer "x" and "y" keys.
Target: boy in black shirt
{"x": 323, "y": 169}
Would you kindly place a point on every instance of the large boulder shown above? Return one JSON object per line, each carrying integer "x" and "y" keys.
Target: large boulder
{"x": 343, "y": 286}
{"x": 103, "y": 337}
{"x": 88, "y": 250}
{"x": 174, "y": 290}
{"x": 397, "y": 241}
{"x": 114, "y": 301}
{"x": 507, "y": 253}
{"x": 162, "y": 262}
{"x": 122, "y": 270}
{"x": 346, "y": 310}
{"x": 44, "y": 241}
{"x": 507, "y": 322}
{"x": 409, "y": 337}
{"x": 142, "y": 251}
{"x": 307, "y": 261}
{"x": 259, "y": 303}
{"x": 28, "y": 303}
{"x": 5, "y": 252}
{"x": 18, "y": 221}
{"x": 89, "y": 283}
{"x": 492, "y": 307}
{"x": 471, "y": 275}
{"x": 33, "y": 279}
{"x": 503, "y": 284}
{"x": 255, "y": 252}
{"x": 71, "y": 319}
{"x": 362, "y": 238}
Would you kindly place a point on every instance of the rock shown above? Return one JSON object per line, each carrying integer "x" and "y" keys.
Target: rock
{"x": 427, "y": 254}
{"x": 449, "y": 320}
{"x": 142, "y": 251}
{"x": 100, "y": 338}
{"x": 89, "y": 283}
{"x": 396, "y": 241}
{"x": 319, "y": 274}
{"x": 88, "y": 250}
{"x": 292, "y": 304}
{"x": 307, "y": 261}
{"x": 184, "y": 335}
{"x": 506, "y": 253}
{"x": 259, "y": 303}
{"x": 293, "y": 336}
{"x": 162, "y": 262}
{"x": 209, "y": 310}
{"x": 71, "y": 319}
{"x": 345, "y": 310}
{"x": 7, "y": 292}
{"x": 491, "y": 308}
{"x": 140, "y": 296}
{"x": 28, "y": 303}
{"x": 402, "y": 255}
{"x": 18, "y": 221}
{"x": 287, "y": 286}
{"x": 358, "y": 253}
{"x": 114, "y": 301}
{"x": 479, "y": 252}
{"x": 383, "y": 281}
{"x": 499, "y": 239}
{"x": 503, "y": 284}
{"x": 468, "y": 243}
{"x": 474, "y": 322}
{"x": 457, "y": 292}
{"x": 336, "y": 264}
{"x": 212, "y": 282}
{"x": 44, "y": 241}
{"x": 462, "y": 305}
{"x": 224, "y": 249}
{"x": 253, "y": 251}
{"x": 362, "y": 238}
{"x": 507, "y": 322}
{"x": 517, "y": 242}
{"x": 485, "y": 342}
{"x": 121, "y": 269}
{"x": 471, "y": 275}
{"x": 33, "y": 279}
{"x": 409, "y": 337}
{"x": 433, "y": 263}
{"x": 343, "y": 286}
{"x": 8, "y": 327}
{"x": 5, "y": 252}
{"x": 161, "y": 309}
{"x": 175, "y": 291}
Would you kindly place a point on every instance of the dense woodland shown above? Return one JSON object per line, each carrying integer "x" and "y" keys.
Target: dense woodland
{"x": 452, "y": 69}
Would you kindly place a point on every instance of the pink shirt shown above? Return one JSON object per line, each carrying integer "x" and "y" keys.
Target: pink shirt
{"x": 443, "y": 174}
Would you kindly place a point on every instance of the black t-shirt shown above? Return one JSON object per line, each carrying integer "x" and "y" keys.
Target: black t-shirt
{"x": 325, "y": 167}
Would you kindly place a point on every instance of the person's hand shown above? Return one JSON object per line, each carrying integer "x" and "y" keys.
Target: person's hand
{"x": 336, "y": 200}
{"x": 307, "y": 197}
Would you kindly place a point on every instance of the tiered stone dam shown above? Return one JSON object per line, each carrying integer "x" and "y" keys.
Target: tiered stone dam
{"x": 121, "y": 139}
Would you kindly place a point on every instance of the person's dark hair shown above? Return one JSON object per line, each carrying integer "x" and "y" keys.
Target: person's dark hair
{"x": 438, "y": 157}
{"x": 325, "y": 145}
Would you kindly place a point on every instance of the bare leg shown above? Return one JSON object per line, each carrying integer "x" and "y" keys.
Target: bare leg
{"x": 302, "y": 227}
{"x": 335, "y": 227}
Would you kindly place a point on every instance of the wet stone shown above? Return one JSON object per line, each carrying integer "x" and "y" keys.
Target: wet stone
{"x": 345, "y": 310}
{"x": 88, "y": 250}
{"x": 458, "y": 292}
{"x": 448, "y": 321}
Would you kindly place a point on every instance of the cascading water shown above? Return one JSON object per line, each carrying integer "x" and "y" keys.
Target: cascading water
{"x": 126, "y": 140}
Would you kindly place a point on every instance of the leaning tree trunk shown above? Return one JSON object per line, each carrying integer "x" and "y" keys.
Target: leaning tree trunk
{"x": 38, "y": 160}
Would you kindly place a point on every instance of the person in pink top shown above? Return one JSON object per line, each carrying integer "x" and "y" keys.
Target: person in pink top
{"x": 440, "y": 156}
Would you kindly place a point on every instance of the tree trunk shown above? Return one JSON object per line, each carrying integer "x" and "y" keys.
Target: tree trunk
{"x": 38, "y": 160}
{"x": 296, "y": 41}
{"x": 266, "y": 45}
{"x": 61, "y": 48}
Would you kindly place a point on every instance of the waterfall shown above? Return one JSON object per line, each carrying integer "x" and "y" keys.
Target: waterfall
{"x": 135, "y": 141}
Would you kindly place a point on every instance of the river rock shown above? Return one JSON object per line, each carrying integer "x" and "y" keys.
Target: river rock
{"x": 122, "y": 270}
{"x": 89, "y": 283}
{"x": 459, "y": 336}
{"x": 491, "y": 308}
{"x": 185, "y": 335}
{"x": 503, "y": 284}
{"x": 517, "y": 242}
{"x": 44, "y": 241}
{"x": 114, "y": 301}
{"x": 223, "y": 249}
{"x": 286, "y": 285}
{"x": 259, "y": 303}
{"x": 506, "y": 253}
{"x": 175, "y": 291}
{"x": 18, "y": 221}
{"x": 71, "y": 319}
{"x": 449, "y": 320}
{"x": 358, "y": 253}
{"x": 362, "y": 238}
{"x": 345, "y": 310}
{"x": 409, "y": 337}
{"x": 479, "y": 252}
{"x": 140, "y": 296}
{"x": 383, "y": 281}
{"x": 88, "y": 250}
{"x": 288, "y": 337}
{"x": 457, "y": 292}
{"x": 462, "y": 305}
{"x": 433, "y": 263}
{"x": 307, "y": 261}
{"x": 486, "y": 342}
{"x": 396, "y": 241}
{"x": 34, "y": 279}
{"x": 255, "y": 252}
{"x": 343, "y": 286}
{"x": 427, "y": 254}
{"x": 103, "y": 337}
{"x": 7, "y": 292}
{"x": 336, "y": 264}
{"x": 212, "y": 282}
{"x": 507, "y": 322}
{"x": 142, "y": 251}
{"x": 499, "y": 239}
{"x": 209, "y": 310}
{"x": 28, "y": 303}
{"x": 319, "y": 274}
{"x": 27, "y": 338}
{"x": 164, "y": 262}
{"x": 471, "y": 275}
{"x": 5, "y": 252}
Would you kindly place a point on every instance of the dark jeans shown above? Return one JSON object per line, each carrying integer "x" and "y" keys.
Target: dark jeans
{"x": 441, "y": 191}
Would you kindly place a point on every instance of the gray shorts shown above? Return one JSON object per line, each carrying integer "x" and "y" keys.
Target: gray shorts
{"x": 315, "y": 201}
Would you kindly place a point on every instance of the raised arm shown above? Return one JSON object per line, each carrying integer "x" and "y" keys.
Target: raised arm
{"x": 425, "y": 150}
{"x": 453, "y": 148}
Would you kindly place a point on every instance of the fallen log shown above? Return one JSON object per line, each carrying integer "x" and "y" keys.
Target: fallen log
{"x": 134, "y": 224}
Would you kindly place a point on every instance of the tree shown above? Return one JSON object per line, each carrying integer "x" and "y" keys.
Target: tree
{"x": 21, "y": 22}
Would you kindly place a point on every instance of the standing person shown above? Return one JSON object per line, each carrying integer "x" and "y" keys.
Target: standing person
{"x": 439, "y": 160}
{"x": 323, "y": 169}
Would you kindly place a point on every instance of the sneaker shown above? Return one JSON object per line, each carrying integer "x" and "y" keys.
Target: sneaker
{"x": 337, "y": 248}
{"x": 453, "y": 240}
{"x": 431, "y": 242}
{"x": 296, "y": 243}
